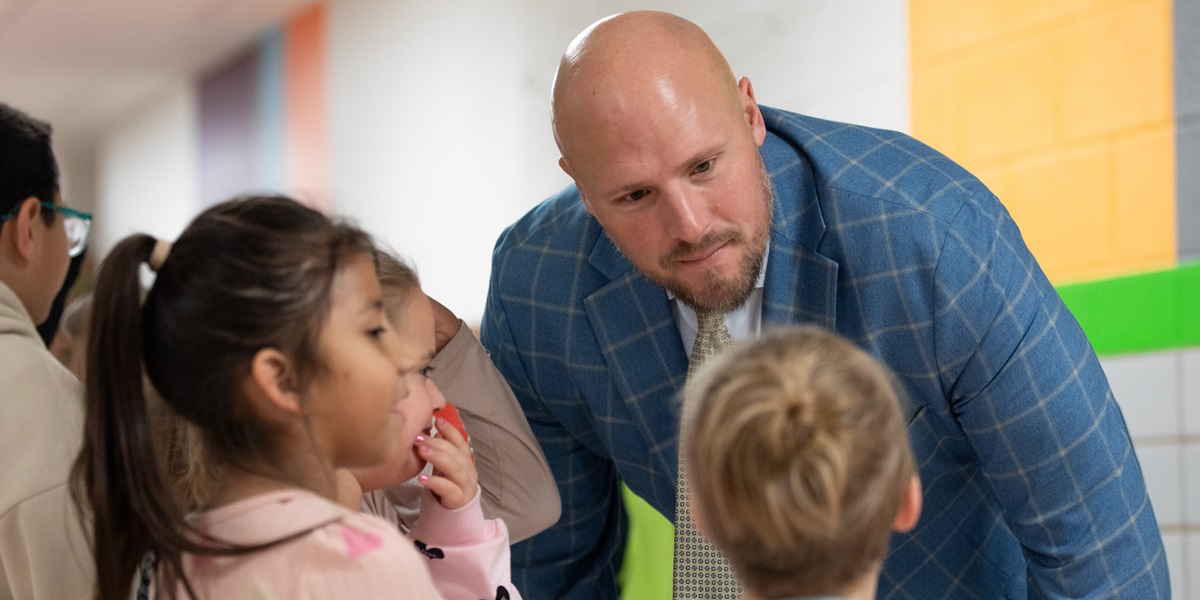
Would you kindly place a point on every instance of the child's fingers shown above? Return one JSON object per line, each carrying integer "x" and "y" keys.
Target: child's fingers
{"x": 454, "y": 480}
{"x": 451, "y": 462}
{"x": 444, "y": 451}
{"x": 449, "y": 494}
{"x": 450, "y": 433}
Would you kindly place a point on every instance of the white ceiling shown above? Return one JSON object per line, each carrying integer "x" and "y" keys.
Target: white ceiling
{"x": 79, "y": 64}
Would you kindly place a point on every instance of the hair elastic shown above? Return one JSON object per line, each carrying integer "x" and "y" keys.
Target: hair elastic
{"x": 159, "y": 255}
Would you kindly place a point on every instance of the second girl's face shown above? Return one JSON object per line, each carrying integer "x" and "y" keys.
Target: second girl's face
{"x": 414, "y": 329}
{"x": 417, "y": 343}
{"x": 353, "y": 399}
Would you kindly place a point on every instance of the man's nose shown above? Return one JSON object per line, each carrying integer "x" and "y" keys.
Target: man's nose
{"x": 687, "y": 214}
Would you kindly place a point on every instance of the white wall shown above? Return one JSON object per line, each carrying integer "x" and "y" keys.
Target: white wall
{"x": 430, "y": 128}
{"x": 147, "y": 172}
{"x": 439, "y": 119}
{"x": 1159, "y": 395}
{"x": 440, "y": 137}
{"x": 844, "y": 61}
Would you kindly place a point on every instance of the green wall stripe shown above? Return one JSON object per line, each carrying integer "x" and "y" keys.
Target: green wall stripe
{"x": 1139, "y": 313}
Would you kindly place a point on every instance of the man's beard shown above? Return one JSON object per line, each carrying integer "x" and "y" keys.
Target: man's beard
{"x": 716, "y": 295}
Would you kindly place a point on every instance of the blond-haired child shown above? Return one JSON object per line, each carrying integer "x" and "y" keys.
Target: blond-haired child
{"x": 516, "y": 483}
{"x": 799, "y": 464}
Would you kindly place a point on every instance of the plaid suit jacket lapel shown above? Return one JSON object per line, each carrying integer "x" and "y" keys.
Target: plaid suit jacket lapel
{"x": 801, "y": 284}
{"x": 636, "y": 330}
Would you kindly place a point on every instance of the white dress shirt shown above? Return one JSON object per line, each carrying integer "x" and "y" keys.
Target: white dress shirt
{"x": 743, "y": 322}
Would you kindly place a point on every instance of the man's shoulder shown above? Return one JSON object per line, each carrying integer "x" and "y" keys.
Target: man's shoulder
{"x": 556, "y": 220}
{"x": 559, "y": 227}
{"x": 838, "y": 143}
{"x": 849, "y": 160}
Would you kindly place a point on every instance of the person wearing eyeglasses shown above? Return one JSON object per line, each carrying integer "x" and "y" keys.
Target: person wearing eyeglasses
{"x": 43, "y": 551}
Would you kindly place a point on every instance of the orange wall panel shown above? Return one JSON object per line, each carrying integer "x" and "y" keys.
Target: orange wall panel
{"x": 306, "y": 129}
{"x": 1065, "y": 110}
{"x": 1063, "y": 206}
{"x": 1116, "y": 71}
{"x": 1009, "y": 108}
{"x": 1144, "y": 173}
{"x": 936, "y": 91}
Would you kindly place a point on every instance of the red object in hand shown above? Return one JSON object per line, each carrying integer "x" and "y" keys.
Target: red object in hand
{"x": 450, "y": 414}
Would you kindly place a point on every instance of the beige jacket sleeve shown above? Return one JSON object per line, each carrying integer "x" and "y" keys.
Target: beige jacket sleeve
{"x": 513, "y": 474}
{"x": 44, "y": 551}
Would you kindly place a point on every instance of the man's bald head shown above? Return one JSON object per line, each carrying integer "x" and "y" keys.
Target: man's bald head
{"x": 663, "y": 145}
{"x": 637, "y": 61}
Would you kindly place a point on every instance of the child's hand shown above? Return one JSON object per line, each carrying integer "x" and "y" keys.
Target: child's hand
{"x": 454, "y": 480}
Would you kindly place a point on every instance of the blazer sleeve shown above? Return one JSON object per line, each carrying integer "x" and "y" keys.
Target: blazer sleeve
{"x": 1030, "y": 395}
{"x": 575, "y": 558}
{"x": 517, "y": 484}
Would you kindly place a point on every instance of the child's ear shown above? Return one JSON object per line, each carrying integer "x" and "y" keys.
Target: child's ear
{"x": 910, "y": 507}
{"x": 273, "y": 383}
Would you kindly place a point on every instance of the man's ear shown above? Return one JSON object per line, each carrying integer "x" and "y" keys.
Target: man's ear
{"x": 751, "y": 112}
{"x": 910, "y": 507}
{"x": 273, "y": 384}
{"x": 24, "y": 234}
{"x": 566, "y": 167}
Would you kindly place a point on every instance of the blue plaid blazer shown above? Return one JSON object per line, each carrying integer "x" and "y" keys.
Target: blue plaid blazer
{"x": 1031, "y": 485}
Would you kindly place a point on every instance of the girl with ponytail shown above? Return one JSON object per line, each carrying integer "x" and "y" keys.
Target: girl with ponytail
{"x": 264, "y": 328}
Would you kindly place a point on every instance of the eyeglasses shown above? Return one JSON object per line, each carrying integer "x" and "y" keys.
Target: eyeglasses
{"x": 76, "y": 223}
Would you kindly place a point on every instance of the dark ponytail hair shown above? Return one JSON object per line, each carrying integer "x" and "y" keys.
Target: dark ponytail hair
{"x": 247, "y": 274}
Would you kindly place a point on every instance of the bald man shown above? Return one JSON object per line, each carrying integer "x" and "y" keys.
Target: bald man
{"x": 690, "y": 198}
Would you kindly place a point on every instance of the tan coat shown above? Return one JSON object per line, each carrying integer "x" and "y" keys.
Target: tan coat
{"x": 43, "y": 551}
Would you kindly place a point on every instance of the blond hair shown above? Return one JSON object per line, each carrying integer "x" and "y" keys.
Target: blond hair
{"x": 398, "y": 281}
{"x": 798, "y": 460}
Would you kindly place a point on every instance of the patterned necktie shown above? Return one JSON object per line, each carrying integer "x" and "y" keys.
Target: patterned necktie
{"x": 701, "y": 571}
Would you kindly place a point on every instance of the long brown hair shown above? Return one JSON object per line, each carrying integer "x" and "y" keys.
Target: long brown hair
{"x": 247, "y": 274}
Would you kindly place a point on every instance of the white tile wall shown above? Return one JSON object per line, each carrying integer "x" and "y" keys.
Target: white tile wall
{"x": 1191, "y": 484}
{"x": 1191, "y": 572}
{"x": 1159, "y": 394}
{"x": 1190, "y": 388}
{"x": 1174, "y": 543}
{"x": 1147, "y": 389}
{"x": 1161, "y": 469}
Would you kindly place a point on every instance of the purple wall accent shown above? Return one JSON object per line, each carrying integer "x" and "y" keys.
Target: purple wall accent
{"x": 229, "y": 129}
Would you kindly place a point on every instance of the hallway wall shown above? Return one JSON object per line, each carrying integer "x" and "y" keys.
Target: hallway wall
{"x": 428, "y": 126}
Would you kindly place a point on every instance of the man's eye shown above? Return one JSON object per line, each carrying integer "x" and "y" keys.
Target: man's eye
{"x": 704, "y": 167}
{"x": 377, "y": 332}
{"x": 427, "y": 372}
{"x": 636, "y": 195}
